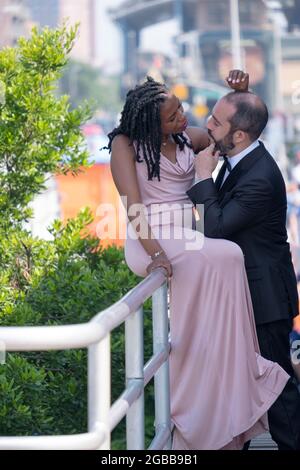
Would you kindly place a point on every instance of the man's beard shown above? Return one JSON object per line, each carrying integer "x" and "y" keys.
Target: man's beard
{"x": 224, "y": 145}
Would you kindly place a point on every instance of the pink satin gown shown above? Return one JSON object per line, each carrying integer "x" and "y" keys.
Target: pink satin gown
{"x": 221, "y": 388}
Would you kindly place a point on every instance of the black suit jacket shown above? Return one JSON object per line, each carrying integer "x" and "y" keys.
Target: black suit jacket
{"x": 250, "y": 210}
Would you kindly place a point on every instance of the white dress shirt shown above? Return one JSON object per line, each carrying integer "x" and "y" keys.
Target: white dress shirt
{"x": 238, "y": 157}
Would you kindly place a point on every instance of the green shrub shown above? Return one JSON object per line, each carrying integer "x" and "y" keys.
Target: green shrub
{"x": 39, "y": 133}
{"x": 63, "y": 281}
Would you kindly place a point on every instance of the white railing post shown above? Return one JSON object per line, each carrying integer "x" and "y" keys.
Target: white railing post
{"x": 134, "y": 356}
{"x": 162, "y": 378}
{"x": 99, "y": 393}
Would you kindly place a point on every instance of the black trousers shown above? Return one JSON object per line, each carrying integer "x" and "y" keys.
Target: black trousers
{"x": 284, "y": 414}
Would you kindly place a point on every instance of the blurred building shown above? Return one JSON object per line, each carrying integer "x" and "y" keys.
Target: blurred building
{"x": 45, "y": 12}
{"x": 290, "y": 73}
{"x": 14, "y": 21}
{"x": 85, "y": 12}
{"x": 257, "y": 43}
{"x": 54, "y": 12}
{"x": 204, "y": 40}
{"x": 291, "y": 9}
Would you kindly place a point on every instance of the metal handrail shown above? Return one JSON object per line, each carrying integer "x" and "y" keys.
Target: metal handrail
{"x": 95, "y": 335}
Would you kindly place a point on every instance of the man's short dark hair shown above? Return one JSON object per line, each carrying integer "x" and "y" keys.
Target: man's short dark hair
{"x": 251, "y": 114}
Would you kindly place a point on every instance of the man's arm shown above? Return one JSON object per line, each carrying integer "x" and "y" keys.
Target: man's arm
{"x": 249, "y": 203}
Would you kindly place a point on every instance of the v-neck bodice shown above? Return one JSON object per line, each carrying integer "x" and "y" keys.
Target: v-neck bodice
{"x": 175, "y": 179}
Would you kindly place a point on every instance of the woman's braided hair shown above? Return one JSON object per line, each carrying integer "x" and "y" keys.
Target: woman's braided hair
{"x": 140, "y": 121}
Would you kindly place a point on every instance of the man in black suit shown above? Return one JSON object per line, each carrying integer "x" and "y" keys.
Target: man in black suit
{"x": 247, "y": 205}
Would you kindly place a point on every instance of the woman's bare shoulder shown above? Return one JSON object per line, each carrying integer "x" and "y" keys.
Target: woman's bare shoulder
{"x": 121, "y": 143}
{"x": 121, "y": 140}
{"x": 199, "y": 138}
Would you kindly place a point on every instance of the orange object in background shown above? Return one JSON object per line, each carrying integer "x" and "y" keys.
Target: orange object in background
{"x": 297, "y": 324}
{"x": 93, "y": 188}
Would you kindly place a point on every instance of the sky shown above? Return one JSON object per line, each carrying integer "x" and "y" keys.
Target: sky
{"x": 158, "y": 38}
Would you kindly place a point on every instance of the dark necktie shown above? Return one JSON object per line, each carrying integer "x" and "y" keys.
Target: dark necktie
{"x": 228, "y": 164}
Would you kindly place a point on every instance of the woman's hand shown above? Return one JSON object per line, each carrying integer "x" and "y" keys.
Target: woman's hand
{"x": 160, "y": 261}
{"x": 206, "y": 162}
{"x": 238, "y": 80}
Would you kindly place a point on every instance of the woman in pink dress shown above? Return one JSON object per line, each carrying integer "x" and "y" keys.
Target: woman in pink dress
{"x": 221, "y": 388}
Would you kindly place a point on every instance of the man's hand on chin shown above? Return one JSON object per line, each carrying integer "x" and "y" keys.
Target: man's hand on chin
{"x": 206, "y": 162}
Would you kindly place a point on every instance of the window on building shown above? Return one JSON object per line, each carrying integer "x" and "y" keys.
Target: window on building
{"x": 210, "y": 52}
{"x": 246, "y": 12}
{"x": 217, "y": 12}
